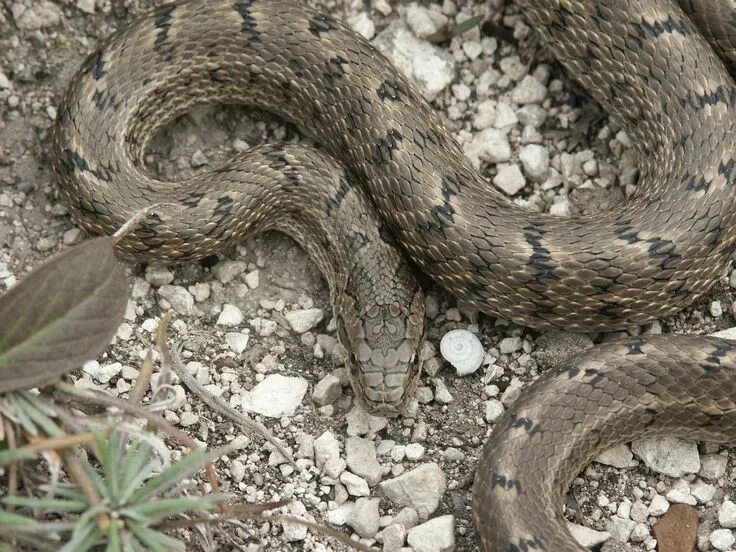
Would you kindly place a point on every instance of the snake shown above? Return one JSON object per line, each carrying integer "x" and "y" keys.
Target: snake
{"x": 387, "y": 192}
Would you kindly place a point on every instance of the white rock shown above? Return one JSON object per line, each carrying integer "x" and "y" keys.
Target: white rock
{"x": 463, "y": 350}
{"x": 414, "y": 452}
{"x": 364, "y": 517}
{"x": 304, "y": 320}
{"x": 509, "y": 179}
{"x": 157, "y": 275}
{"x": 420, "y": 488}
{"x": 529, "y": 91}
{"x": 505, "y": 117}
{"x": 326, "y": 448}
{"x": 362, "y": 423}
{"x": 293, "y": 531}
{"x": 430, "y": 67}
{"x": 680, "y": 493}
{"x": 356, "y": 486}
{"x": 87, "y": 6}
{"x": 361, "y": 459}
{"x": 620, "y": 528}
{"x": 727, "y": 515}
{"x": 436, "y": 535}
{"x": 276, "y": 396}
{"x": 327, "y": 390}
{"x": 394, "y": 537}
{"x": 237, "y": 341}
{"x": 587, "y": 538}
{"x": 658, "y": 506}
{"x": 104, "y": 373}
{"x": 510, "y": 345}
{"x": 490, "y": 145}
{"x": 341, "y": 514}
{"x": 252, "y": 279}
{"x": 230, "y": 316}
{"x": 668, "y": 455}
{"x": 722, "y": 539}
{"x": 179, "y": 299}
{"x": 535, "y": 162}
{"x": 41, "y": 14}
{"x": 713, "y": 466}
{"x": 494, "y": 410}
{"x": 640, "y": 533}
{"x": 702, "y": 491}
{"x": 422, "y": 21}
{"x": 362, "y": 24}
{"x": 619, "y": 456}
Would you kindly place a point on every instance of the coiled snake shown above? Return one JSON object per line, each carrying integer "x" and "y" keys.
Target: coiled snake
{"x": 643, "y": 60}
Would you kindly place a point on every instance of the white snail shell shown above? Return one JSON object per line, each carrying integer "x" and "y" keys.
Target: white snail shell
{"x": 463, "y": 350}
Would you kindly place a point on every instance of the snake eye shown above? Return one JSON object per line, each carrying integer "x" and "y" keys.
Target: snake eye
{"x": 353, "y": 359}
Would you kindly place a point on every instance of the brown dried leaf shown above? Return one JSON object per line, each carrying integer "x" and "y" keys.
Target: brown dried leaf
{"x": 62, "y": 314}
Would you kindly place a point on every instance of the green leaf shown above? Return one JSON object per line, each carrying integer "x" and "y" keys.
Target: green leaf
{"x": 154, "y": 540}
{"x": 171, "y": 476}
{"x": 48, "y": 504}
{"x": 9, "y": 518}
{"x": 62, "y": 314}
{"x": 156, "y": 510}
{"x": 13, "y": 455}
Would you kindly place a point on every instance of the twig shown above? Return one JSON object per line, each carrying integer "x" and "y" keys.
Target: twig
{"x": 245, "y": 423}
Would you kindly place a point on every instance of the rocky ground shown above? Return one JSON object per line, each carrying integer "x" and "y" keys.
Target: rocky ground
{"x": 256, "y": 323}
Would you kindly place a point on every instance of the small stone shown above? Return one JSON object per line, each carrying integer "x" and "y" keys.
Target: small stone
{"x": 509, "y": 179}
{"x": 236, "y": 341}
{"x": 677, "y": 530}
{"x": 104, "y": 373}
{"x": 361, "y": 459}
{"x": 227, "y": 271}
{"x": 179, "y": 299}
{"x": 158, "y": 275}
{"x": 41, "y": 14}
{"x": 588, "y": 538}
{"x": 414, "y": 452}
{"x": 490, "y": 145}
{"x": 87, "y": 6}
{"x": 535, "y": 162}
{"x": 494, "y": 410}
{"x": 327, "y": 390}
{"x": 420, "y": 488}
{"x": 326, "y": 448}
{"x": 619, "y": 456}
{"x": 188, "y": 419}
{"x": 237, "y": 470}
{"x": 668, "y": 455}
{"x": 362, "y": 24}
{"x": 620, "y": 528}
{"x": 356, "y": 486}
{"x": 252, "y": 279}
{"x": 230, "y": 316}
{"x": 430, "y": 67}
{"x": 716, "y": 309}
{"x": 713, "y": 466}
{"x": 294, "y": 532}
{"x": 727, "y": 515}
{"x": 505, "y": 117}
{"x": 276, "y": 396}
{"x": 529, "y": 91}
{"x": 422, "y": 21}
{"x": 658, "y": 506}
{"x": 364, "y": 517}
{"x": 394, "y": 537}
{"x": 510, "y": 345}
{"x": 72, "y": 236}
{"x": 199, "y": 159}
{"x": 436, "y": 535}
{"x": 722, "y": 539}
{"x": 680, "y": 493}
{"x": 304, "y": 320}
{"x": 703, "y": 492}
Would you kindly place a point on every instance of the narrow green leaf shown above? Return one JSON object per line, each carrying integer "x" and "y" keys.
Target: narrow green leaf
{"x": 47, "y": 504}
{"x": 113, "y": 537}
{"x": 9, "y": 518}
{"x": 157, "y": 510}
{"x": 190, "y": 464}
{"x": 13, "y": 455}
{"x": 83, "y": 540}
{"x": 154, "y": 540}
{"x": 62, "y": 314}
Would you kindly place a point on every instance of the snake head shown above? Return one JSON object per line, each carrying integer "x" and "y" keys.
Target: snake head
{"x": 383, "y": 340}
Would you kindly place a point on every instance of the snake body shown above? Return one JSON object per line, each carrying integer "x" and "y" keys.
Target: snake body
{"x": 643, "y": 60}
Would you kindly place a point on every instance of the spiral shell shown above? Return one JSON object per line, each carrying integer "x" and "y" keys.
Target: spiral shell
{"x": 463, "y": 350}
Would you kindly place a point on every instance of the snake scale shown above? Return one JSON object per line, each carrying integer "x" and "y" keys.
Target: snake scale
{"x": 388, "y": 172}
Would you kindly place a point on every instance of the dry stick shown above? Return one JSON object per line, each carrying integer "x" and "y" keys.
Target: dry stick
{"x": 248, "y": 425}
{"x": 63, "y": 442}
